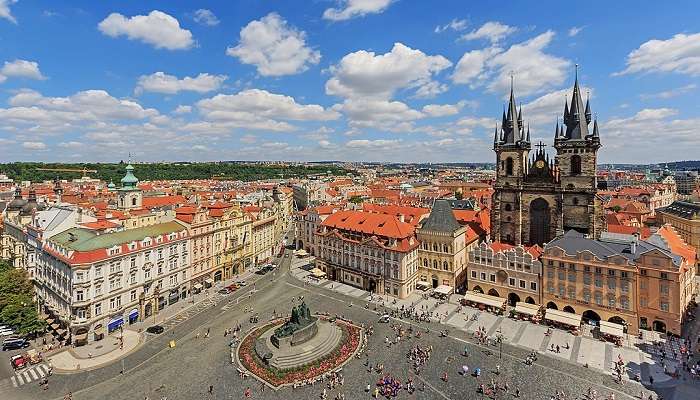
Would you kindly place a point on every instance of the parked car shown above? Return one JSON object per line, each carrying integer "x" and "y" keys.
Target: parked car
{"x": 241, "y": 283}
{"x": 14, "y": 344}
{"x": 6, "y": 332}
{"x": 223, "y": 291}
{"x": 155, "y": 329}
{"x": 18, "y": 362}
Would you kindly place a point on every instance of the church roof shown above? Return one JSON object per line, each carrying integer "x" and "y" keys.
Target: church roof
{"x": 441, "y": 218}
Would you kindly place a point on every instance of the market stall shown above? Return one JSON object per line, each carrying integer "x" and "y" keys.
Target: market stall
{"x": 484, "y": 301}
{"x": 528, "y": 311}
{"x": 564, "y": 319}
{"x": 442, "y": 291}
{"x": 612, "y": 332}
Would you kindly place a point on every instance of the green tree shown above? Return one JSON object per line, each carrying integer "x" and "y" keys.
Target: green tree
{"x": 355, "y": 199}
{"x": 17, "y": 306}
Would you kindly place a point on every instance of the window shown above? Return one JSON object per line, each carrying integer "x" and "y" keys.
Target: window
{"x": 132, "y": 278}
{"x": 611, "y": 302}
{"x": 483, "y": 276}
{"x": 572, "y": 292}
{"x": 114, "y": 267}
{"x": 561, "y": 291}
{"x": 572, "y": 267}
{"x": 643, "y": 301}
{"x": 550, "y": 288}
{"x": 587, "y": 296}
{"x": 598, "y": 282}
{"x": 663, "y": 288}
{"x": 550, "y": 274}
{"x": 599, "y": 299}
{"x": 79, "y": 277}
{"x": 115, "y": 302}
{"x": 624, "y": 286}
{"x": 511, "y": 281}
{"x": 98, "y": 272}
{"x": 572, "y": 277}
{"x": 624, "y": 274}
{"x": 575, "y": 164}
{"x": 160, "y": 254}
{"x": 132, "y": 296}
{"x": 133, "y": 262}
{"x": 508, "y": 207}
{"x": 598, "y": 270}
{"x": 509, "y": 166}
{"x": 533, "y": 285}
{"x": 79, "y": 295}
{"x": 114, "y": 284}
{"x": 611, "y": 272}
{"x": 98, "y": 309}
{"x": 643, "y": 272}
{"x": 492, "y": 277}
{"x": 586, "y": 280}
{"x": 474, "y": 274}
{"x": 561, "y": 275}
{"x": 521, "y": 283}
{"x": 624, "y": 303}
{"x": 586, "y": 268}
{"x": 147, "y": 274}
{"x": 664, "y": 275}
{"x": 173, "y": 279}
{"x": 664, "y": 306}
{"x": 611, "y": 284}
{"x": 98, "y": 290}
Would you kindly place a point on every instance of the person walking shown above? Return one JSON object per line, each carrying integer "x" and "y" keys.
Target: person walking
{"x": 211, "y": 389}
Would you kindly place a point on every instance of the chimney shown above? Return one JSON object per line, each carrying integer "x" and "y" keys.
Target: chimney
{"x": 401, "y": 218}
{"x": 633, "y": 245}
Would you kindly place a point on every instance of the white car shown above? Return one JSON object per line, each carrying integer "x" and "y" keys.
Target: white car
{"x": 6, "y": 332}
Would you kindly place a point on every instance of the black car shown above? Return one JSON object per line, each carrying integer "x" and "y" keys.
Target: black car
{"x": 261, "y": 271}
{"x": 14, "y": 344}
{"x": 155, "y": 329}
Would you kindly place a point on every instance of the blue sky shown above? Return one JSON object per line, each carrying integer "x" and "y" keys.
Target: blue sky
{"x": 373, "y": 80}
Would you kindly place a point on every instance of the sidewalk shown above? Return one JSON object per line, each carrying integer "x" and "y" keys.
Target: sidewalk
{"x": 95, "y": 354}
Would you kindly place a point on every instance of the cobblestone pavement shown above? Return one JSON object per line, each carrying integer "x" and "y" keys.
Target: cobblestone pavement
{"x": 186, "y": 371}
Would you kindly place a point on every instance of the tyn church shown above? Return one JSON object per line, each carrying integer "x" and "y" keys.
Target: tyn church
{"x": 537, "y": 198}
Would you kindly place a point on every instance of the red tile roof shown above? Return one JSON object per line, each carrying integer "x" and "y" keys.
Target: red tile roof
{"x": 161, "y": 201}
{"x": 369, "y": 224}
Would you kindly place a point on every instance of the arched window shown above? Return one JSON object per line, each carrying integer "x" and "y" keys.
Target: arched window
{"x": 435, "y": 247}
{"x": 435, "y": 264}
{"x": 444, "y": 248}
{"x": 508, "y": 207}
{"x": 509, "y": 166}
{"x": 444, "y": 265}
{"x": 425, "y": 262}
{"x": 575, "y": 164}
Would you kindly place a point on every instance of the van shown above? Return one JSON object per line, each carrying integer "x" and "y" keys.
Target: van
{"x": 14, "y": 344}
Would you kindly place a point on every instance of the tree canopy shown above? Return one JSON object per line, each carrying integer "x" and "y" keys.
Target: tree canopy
{"x": 17, "y": 306}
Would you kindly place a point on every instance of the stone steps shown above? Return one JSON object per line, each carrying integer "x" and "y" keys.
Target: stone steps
{"x": 319, "y": 350}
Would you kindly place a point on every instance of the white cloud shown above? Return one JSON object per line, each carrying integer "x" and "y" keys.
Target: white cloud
{"x": 5, "y": 10}
{"x": 161, "y": 82}
{"x": 442, "y": 110}
{"x": 471, "y": 68}
{"x": 34, "y": 145}
{"x": 249, "y": 139}
{"x": 667, "y": 94}
{"x": 21, "y": 69}
{"x": 679, "y": 54}
{"x": 455, "y": 25}
{"x": 493, "y": 31}
{"x": 274, "y": 47}
{"x": 650, "y": 136}
{"x": 71, "y": 145}
{"x": 205, "y": 17}
{"x": 365, "y": 74}
{"x": 366, "y": 144}
{"x": 157, "y": 28}
{"x": 575, "y": 30}
{"x": 543, "y": 111}
{"x": 534, "y": 70}
{"x": 182, "y": 109}
{"x": 376, "y": 113}
{"x": 355, "y": 8}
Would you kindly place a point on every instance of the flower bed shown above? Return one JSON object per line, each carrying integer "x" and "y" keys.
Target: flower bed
{"x": 249, "y": 359}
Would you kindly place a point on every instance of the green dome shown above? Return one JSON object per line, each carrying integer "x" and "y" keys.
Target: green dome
{"x": 129, "y": 180}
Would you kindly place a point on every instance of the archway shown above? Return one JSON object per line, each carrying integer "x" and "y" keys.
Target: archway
{"x": 478, "y": 289}
{"x": 659, "y": 326}
{"x": 539, "y": 221}
{"x": 552, "y": 306}
{"x": 493, "y": 292}
{"x": 590, "y": 315}
{"x": 529, "y": 300}
{"x": 513, "y": 298}
{"x": 620, "y": 321}
{"x": 569, "y": 309}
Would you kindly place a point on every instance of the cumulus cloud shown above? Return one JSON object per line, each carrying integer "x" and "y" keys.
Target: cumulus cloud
{"x": 366, "y": 74}
{"x": 679, "y": 54}
{"x": 667, "y": 94}
{"x": 161, "y": 82}
{"x": 205, "y": 17}
{"x": 377, "y": 113}
{"x": 157, "y": 28}
{"x": 182, "y": 109}
{"x": 366, "y": 144}
{"x": 5, "y": 10}
{"x": 355, "y": 8}
{"x": 274, "y": 47}
{"x": 493, "y": 31}
{"x": 534, "y": 69}
{"x": 455, "y": 25}
{"x": 442, "y": 110}
{"x": 544, "y": 110}
{"x": 21, "y": 69}
{"x": 34, "y": 145}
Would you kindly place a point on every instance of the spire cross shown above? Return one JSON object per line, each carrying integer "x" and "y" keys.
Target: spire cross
{"x": 540, "y": 145}
{"x": 512, "y": 78}
{"x": 576, "y": 70}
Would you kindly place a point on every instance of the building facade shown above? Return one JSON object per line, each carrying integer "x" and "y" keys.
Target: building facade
{"x": 537, "y": 198}
{"x": 374, "y": 252}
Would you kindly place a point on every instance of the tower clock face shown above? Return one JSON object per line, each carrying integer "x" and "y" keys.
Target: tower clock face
{"x": 539, "y": 164}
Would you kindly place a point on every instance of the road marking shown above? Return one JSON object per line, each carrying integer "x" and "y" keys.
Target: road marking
{"x": 33, "y": 374}
{"x": 14, "y": 381}
{"x": 20, "y": 381}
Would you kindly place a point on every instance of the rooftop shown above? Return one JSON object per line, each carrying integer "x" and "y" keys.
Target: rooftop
{"x": 80, "y": 239}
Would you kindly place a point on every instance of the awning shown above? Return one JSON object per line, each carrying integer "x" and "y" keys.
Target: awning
{"x": 55, "y": 326}
{"x": 611, "y": 328}
{"x": 488, "y": 300}
{"x": 115, "y": 323}
{"x": 423, "y": 283}
{"x": 50, "y": 321}
{"x": 99, "y": 331}
{"x": 82, "y": 337}
{"x": 443, "y": 289}
{"x": 209, "y": 281}
{"x": 563, "y": 317}
{"x": 302, "y": 253}
{"x": 134, "y": 313}
{"x": 318, "y": 273}
{"x": 61, "y": 332}
{"x": 197, "y": 286}
{"x": 527, "y": 308}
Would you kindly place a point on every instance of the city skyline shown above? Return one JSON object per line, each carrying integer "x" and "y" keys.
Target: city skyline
{"x": 381, "y": 80}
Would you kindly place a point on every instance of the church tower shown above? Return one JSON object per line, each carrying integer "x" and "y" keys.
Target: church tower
{"x": 512, "y": 145}
{"x": 130, "y": 196}
{"x": 537, "y": 198}
{"x": 576, "y": 159}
